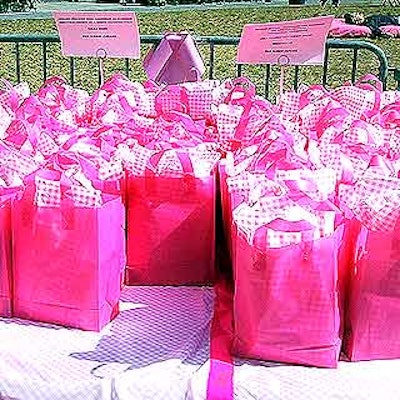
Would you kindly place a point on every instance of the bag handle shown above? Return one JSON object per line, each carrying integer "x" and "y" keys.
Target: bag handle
{"x": 369, "y": 82}
{"x": 245, "y": 88}
{"x": 330, "y": 117}
{"x": 179, "y": 92}
{"x": 183, "y": 157}
{"x": 55, "y": 80}
{"x": 305, "y": 96}
{"x": 195, "y": 129}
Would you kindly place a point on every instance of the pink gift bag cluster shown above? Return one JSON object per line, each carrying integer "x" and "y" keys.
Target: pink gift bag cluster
{"x": 76, "y": 169}
{"x": 310, "y": 210}
{"x": 121, "y": 186}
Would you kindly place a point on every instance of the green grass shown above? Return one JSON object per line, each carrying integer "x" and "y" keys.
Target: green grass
{"x": 225, "y": 22}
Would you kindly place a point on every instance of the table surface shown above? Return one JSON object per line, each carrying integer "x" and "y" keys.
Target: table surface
{"x": 158, "y": 348}
{"x": 150, "y": 351}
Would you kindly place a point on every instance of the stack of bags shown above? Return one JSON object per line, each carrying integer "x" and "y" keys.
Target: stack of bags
{"x": 312, "y": 216}
{"x": 67, "y": 218}
{"x": 64, "y": 156}
{"x": 120, "y": 186}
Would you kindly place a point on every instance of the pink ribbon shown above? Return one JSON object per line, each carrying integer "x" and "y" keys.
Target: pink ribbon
{"x": 220, "y": 379}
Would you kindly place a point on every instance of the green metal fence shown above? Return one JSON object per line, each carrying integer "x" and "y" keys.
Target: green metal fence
{"x": 211, "y": 48}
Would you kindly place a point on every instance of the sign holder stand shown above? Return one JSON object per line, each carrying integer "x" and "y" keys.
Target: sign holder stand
{"x": 101, "y": 54}
{"x": 283, "y": 61}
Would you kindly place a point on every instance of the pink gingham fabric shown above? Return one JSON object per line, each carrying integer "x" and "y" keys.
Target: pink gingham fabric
{"x": 318, "y": 184}
{"x": 170, "y": 165}
{"x": 331, "y": 156}
{"x": 227, "y": 119}
{"x": 11, "y": 97}
{"x": 111, "y": 170}
{"x": 86, "y": 197}
{"x": 257, "y": 126}
{"x": 5, "y": 121}
{"x": 75, "y": 99}
{"x": 394, "y": 143}
{"x": 139, "y": 99}
{"x": 200, "y": 97}
{"x": 200, "y": 160}
{"x": 112, "y": 111}
{"x": 163, "y": 149}
{"x": 361, "y": 132}
{"x": 135, "y": 159}
{"x": 355, "y": 100}
{"x": 47, "y": 192}
{"x": 57, "y": 97}
{"x": 245, "y": 182}
{"x": 134, "y": 94}
{"x": 46, "y": 145}
{"x": 204, "y": 158}
{"x": 171, "y": 98}
{"x": 310, "y": 94}
{"x": 9, "y": 179}
{"x": 17, "y": 162}
{"x": 310, "y": 114}
{"x": 239, "y": 161}
{"x": 250, "y": 218}
{"x": 140, "y": 123}
{"x": 289, "y": 104}
{"x": 359, "y": 162}
{"x": 253, "y": 186}
{"x": 389, "y": 97}
{"x": 106, "y": 108}
{"x": 277, "y": 239}
{"x": 374, "y": 200}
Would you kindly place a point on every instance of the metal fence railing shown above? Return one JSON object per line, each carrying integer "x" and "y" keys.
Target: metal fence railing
{"x": 213, "y": 48}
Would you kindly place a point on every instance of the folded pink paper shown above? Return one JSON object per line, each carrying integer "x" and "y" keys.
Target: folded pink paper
{"x": 300, "y": 42}
{"x": 98, "y": 34}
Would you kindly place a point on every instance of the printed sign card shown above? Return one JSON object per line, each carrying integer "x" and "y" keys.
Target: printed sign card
{"x": 110, "y": 34}
{"x": 299, "y": 42}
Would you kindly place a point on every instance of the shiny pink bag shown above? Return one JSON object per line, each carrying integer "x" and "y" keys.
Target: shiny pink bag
{"x": 170, "y": 199}
{"x": 286, "y": 302}
{"x": 373, "y": 310}
{"x": 289, "y": 255}
{"x": 373, "y": 315}
{"x": 68, "y": 256}
{"x": 5, "y": 259}
{"x": 170, "y": 230}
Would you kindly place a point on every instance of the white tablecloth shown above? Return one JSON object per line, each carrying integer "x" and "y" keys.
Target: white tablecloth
{"x": 372, "y": 380}
{"x": 150, "y": 351}
{"x": 158, "y": 348}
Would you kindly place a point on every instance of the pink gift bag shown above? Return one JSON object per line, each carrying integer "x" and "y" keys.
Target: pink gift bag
{"x": 170, "y": 199}
{"x": 5, "y": 259}
{"x": 286, "y": 304}
{"x": 373, "y": 312}
{"x": 175, "y": 59}
{"x": 373, "y": 306}
{"x": 68, "y": 257}
{"x": 170, "y": 230}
